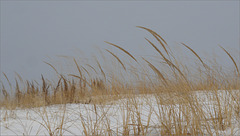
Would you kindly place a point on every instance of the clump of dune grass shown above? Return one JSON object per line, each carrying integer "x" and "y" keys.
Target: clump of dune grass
{"x": 182, "y": 94}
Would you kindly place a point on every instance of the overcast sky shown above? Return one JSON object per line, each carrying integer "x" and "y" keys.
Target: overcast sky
{"x": 33, "y": 32}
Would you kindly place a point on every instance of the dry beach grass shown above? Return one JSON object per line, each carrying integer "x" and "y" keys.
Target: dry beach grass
{"x": 138, "y": 98}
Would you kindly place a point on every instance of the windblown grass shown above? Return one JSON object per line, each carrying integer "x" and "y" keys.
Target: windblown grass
{"x": 179, "y": 100}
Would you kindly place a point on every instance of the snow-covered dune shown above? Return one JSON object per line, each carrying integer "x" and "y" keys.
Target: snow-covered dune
{"x": 139, "y": 115}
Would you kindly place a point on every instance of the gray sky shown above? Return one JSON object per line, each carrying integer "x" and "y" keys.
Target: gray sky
{"x": 31, "y": 32}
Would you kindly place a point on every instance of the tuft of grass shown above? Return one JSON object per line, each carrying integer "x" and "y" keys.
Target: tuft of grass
{"x": 186, "y": 101}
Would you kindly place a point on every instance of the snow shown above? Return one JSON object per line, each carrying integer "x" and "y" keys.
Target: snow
{"x": 147, "y": 110}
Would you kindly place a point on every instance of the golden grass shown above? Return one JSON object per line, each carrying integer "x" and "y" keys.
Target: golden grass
{"x": 179, "y": 110}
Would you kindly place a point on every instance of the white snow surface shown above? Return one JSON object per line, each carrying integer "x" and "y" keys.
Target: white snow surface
{"x": 76, "y": 119}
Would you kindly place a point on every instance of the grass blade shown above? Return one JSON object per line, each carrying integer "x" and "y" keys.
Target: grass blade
{"x": 231, "y": 59}
{"x": 117, "y": 59}
{"x": 122, "y": 50}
